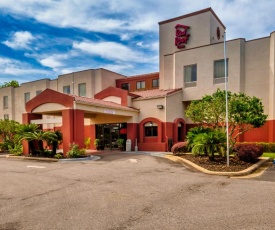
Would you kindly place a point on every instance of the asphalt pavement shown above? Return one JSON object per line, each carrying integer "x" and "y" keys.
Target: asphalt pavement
{"x": 129, "y": 191}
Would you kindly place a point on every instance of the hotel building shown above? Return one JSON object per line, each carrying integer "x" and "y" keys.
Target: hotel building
{"x": 148, "y": 109}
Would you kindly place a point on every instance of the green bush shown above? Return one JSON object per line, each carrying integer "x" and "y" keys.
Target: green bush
{"x": 193, "y": 132}
{"x": 16, "y": 150}
{"x": 179, "y": 148}
{"x": 58, "y": 156}
{"x": 75, "y": 152}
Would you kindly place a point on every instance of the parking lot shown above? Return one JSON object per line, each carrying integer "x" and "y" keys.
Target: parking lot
{"x": 128, "y": 191}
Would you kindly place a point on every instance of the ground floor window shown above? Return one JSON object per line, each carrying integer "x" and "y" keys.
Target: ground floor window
{"x": 151, "y": 129}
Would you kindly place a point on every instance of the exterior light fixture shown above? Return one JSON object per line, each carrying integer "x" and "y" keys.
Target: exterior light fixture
{"x": 160, "y": 106}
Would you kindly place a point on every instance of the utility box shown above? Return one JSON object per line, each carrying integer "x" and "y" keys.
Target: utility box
{"x": 128, "y": 145}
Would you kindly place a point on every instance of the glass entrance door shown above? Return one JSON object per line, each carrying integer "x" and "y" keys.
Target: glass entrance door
{"x": 108, "y": 134}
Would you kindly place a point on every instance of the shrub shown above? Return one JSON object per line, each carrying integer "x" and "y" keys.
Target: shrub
{"x": 58, "y": 156}
{"x": 193, "y": 132}
{"x": 248, "y": 152}
{"x": 75, "y": 152}
{"x": 179, "y": 148}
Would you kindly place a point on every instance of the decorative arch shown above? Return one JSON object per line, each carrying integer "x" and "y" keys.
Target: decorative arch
{"x": 49, "y": 96}
{"x": 179, "y": 133}
{"x": 141, "y": 128}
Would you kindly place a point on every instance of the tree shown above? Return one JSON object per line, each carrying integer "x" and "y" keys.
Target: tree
{"x": 7, "y": 133}
{"x": 244, "y": 113}
{"x": 12, "y": 83}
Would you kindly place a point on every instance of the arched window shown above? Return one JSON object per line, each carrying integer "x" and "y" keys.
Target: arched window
{"x": 151, "y": 129}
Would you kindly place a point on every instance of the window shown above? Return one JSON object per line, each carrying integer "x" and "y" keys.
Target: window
{"x": 66, "y": 89}
{"x": 5, "y": 102}
{"x": 82, "y": 89}
{"x": 219, "y": 71}
{"x": 38, "y": 92}
{"x": 155, "y": 83}
{"x": 190, "y": 75}
{"x": 6, "y": 116}
{"x": 125, "y": 86}
{"x": 27, "y": 97}
{"x": 151, "y": 129}
{"x": 141, "y": 85}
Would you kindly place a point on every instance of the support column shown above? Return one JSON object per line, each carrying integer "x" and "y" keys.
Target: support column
{"x": 132, "y": 130}
{"x": 26, "y": 119}
{"x": 72, "y": 128}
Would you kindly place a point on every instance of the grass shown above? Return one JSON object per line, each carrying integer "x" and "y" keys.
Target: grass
{"x": 271, "y": 155}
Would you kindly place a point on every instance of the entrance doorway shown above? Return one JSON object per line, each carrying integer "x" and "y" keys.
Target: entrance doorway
{"x": 108, "y": 134}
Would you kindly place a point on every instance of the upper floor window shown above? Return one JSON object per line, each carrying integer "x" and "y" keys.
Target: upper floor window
{"x": 190, "y": 75}
{"x": 5, "y": 102}
{"x": 219, "y": 71}
{"x": 125, "y": 86}
{"x": 66, "y": 89}
{"x": 27, "y": 97}
{"x": 151, "y": 129}
{"x": 141, "y": 85}
{"x": 82, "y": 89}
{"x": 155, "y": 83}
{"x": 38, "y": 92}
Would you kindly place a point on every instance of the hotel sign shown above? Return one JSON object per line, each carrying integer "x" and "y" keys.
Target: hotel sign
{"x": 181, "y": 36}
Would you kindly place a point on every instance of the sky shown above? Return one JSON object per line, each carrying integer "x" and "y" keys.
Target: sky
{"x": 46, "y": 38}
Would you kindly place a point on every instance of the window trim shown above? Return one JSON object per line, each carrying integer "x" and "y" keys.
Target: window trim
{"x": 217, "y": 79}
{"x": 67, "y": 86}
{"x": 154, "y": 129}
{"x": 190, "y": 83}
{"x": 139, "y": 85}
{"x": 5, "y": 102}
{"x": 25, "y": 94}
{"x": 157, "y": 83}
{"x": 79, "y": 85}
{"x": 125, "y": 83}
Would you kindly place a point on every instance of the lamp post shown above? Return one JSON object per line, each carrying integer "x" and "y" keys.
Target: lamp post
{"x": 226, "y": 100}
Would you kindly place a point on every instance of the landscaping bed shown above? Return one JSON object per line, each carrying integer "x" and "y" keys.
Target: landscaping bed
{"x": 219, "y": 164}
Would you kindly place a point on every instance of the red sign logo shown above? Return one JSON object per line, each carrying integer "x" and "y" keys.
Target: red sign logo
{"x": 181, "y": 36}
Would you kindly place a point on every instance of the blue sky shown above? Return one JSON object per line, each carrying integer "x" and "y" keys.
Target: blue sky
{"x": 43, "y": 39}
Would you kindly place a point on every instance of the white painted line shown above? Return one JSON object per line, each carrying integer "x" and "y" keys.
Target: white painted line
{"x": 34, "y": 166}
{"x": 133, "y": 160}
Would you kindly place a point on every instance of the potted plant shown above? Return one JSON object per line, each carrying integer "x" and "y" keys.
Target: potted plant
{"x": 120, "y": 143}
{"x": 97, "y": 144}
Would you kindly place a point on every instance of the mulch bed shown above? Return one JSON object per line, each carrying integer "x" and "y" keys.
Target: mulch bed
{"x": 219, "y": 164}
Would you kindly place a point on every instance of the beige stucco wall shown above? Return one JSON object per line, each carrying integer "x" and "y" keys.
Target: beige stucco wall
{"x": 271, "y": 111}
{"x": 257, "y": 69}
{"x": 19, "y": 95}
{"x": 9, "y": 92}
{"x": 204, "y": 57}
{"x": 202, "y": 30}
{"x": 174, "y": 107}
{"x": 214, "y": 23}
{"x": 148, "y": 108}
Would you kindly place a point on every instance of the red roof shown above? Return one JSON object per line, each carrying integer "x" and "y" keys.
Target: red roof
{"x": 102, "y": 103}
{"x": 155, "y": 93}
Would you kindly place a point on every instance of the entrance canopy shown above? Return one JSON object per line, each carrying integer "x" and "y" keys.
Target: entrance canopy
{"x": 51, "y": 102}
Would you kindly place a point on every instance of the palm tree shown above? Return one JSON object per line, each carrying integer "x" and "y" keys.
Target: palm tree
{"x": 40, "y": 136}
{"x": 209, "y": 143}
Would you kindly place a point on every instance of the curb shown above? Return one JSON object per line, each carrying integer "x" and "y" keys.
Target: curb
{"x": 206, "y": 171}
{"x": 32, "y": 158}
{"x": 52, "y": 159}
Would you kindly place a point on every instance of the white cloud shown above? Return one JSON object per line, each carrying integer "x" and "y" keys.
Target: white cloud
{"x": 109, "y": 50}
{"x": 124, "y": 17}
{"x": 51, "y": 62}
{"x": 17, "y": 68}
{"x": 20, "y": 40}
